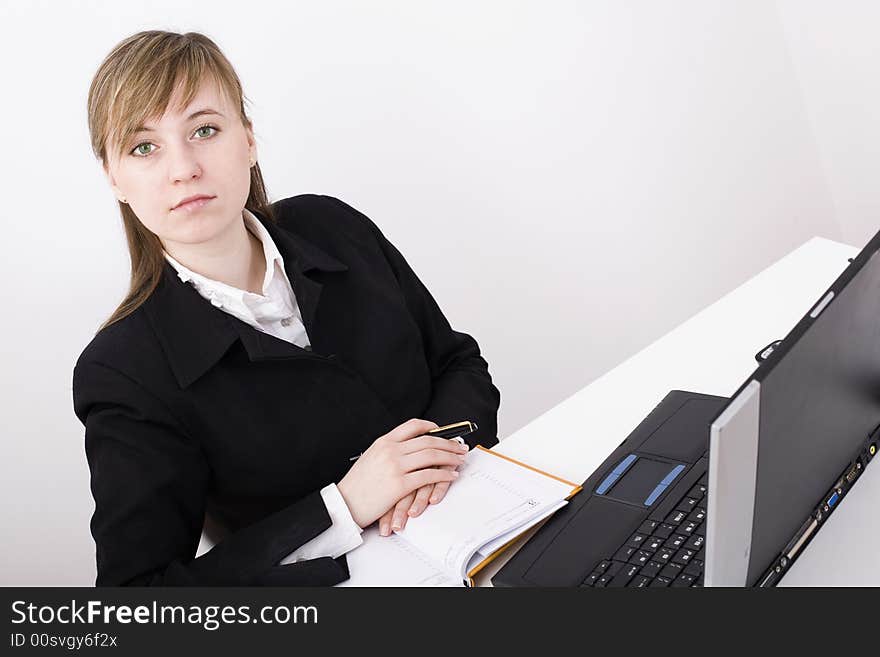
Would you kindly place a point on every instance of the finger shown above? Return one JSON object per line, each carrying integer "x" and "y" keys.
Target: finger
{"x": 439, "y": 492}
{"x": 385, "y": 523}
{"x": 414, "y": 480}
{"x": 399, "y": 517}
{"x": 410, "y": 429}
{"x": 430, "y": 458}
{"x": 431, "y": 442}
{"x": 421, "y": 500}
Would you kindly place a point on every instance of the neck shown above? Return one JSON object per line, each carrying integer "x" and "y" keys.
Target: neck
{"x": 234, "y": 258}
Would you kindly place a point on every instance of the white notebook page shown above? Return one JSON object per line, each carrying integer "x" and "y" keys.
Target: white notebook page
{"x": 491, "y": 496}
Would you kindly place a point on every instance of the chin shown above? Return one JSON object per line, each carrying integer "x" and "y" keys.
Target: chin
{"x": 193, "y": 230}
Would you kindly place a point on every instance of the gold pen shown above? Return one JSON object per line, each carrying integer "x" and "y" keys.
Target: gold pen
{"x": 451, "y": 431}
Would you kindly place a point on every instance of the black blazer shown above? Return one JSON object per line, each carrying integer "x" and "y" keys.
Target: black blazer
{"x": 188, "y": 410}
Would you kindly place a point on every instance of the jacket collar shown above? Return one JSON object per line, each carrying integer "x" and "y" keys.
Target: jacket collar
{"x": 194, "y": 334}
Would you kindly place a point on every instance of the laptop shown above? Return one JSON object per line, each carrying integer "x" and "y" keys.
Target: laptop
{"x": 716, "y": 491}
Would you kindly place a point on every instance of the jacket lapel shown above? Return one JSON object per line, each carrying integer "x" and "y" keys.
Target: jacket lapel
{"x": 195, "y": 335}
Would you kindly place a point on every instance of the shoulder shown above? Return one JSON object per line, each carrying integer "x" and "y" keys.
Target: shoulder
{"x": 321, "y": 217}
{"x": 113, "y": 343}
{"x": 127, "y": 349}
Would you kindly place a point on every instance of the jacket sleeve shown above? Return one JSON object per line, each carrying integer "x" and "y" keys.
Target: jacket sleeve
{"x": 462, "y": 385}
{"x": 149, "y": 480}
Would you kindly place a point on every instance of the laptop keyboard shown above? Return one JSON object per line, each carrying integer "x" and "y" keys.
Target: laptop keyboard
{"x": 661, "y": 553}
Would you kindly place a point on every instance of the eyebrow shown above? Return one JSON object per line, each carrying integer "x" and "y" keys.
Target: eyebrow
{"x": 195, "y": 114}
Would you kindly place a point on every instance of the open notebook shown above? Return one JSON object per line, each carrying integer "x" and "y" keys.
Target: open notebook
{"x": 493, "y": 501}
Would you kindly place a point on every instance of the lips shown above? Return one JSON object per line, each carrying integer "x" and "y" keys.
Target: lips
{"x": 192, "y": 202}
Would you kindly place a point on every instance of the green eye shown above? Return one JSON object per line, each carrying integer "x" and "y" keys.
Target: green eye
{"x": 139, "y": 152}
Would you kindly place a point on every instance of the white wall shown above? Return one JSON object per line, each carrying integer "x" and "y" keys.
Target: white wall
{"x": 836, "y": 54}
{"x": 587, "y": 176}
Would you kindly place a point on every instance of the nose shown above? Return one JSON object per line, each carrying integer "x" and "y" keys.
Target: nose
{"x": 183, "y": 165}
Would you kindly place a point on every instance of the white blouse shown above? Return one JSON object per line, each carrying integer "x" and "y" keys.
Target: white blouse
{"x": 276, "y": 312}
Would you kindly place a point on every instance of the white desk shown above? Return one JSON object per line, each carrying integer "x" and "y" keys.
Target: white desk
{"x": 713, "y": 353}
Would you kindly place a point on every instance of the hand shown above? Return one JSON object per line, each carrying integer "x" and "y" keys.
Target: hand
{"x": 413, "y": 504}
{"x": 395, "y": 465}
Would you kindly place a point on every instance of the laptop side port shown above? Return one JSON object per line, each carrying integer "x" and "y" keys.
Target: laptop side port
{"x": 854, "y": 472}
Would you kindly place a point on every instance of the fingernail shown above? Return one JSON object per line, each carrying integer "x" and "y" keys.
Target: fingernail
{"x": 383, "y": 530}
{"x": 455, "y": 473}
{"x": 433, "y": 500}
{"x": 414, "y": 511}
{"x": 395, "y": 524}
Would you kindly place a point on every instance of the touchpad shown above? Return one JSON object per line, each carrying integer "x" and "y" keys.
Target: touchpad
{"x": 640, "y": 481}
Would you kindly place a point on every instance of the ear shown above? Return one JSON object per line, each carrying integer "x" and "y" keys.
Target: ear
{"x": 112, "y": 181}
{"x": 252, "y": 144}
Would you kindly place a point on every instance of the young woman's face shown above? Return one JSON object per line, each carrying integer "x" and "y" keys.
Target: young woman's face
{"x": 181, "y": 156}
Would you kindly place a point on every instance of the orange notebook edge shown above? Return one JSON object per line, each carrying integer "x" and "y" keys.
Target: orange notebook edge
{"x": 576, "y": 487}
{"x": 485, "y": 562}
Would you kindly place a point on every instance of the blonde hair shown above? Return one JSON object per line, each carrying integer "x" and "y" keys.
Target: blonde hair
{"x": 134, "y": 83}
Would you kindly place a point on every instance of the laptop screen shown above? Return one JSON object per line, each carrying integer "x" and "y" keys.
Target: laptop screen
{"x": 819, "y": 402}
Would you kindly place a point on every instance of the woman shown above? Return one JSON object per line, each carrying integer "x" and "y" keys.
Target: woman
{"x": 274, "y": 367}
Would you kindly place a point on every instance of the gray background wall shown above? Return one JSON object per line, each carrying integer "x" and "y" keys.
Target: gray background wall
{"x": 571, "y": 180}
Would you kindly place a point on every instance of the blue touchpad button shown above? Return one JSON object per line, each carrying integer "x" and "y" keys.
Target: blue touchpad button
{"x": 624, "y": 464}
{"x": 606, "y": 484}
{"x": 668, "y": 479}
{"x": 655, "y": 494}
{"x": 615, "y": 474}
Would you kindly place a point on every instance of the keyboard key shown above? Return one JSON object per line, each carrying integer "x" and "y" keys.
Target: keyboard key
{"x": 687, "y": 505}
{"x": 636, "y": 540}
{"x": 695, "y": 542}
{"x": 675, "y": 541}
{"x": 698, "y": 515}
{"x": 664, "y": 531}
{"x": 624, "y": 553}
{"x": 683, "y": 557}
{"x": 614, "y": 567}
{"x": 653, "y": 544}
{"x": 651, "y": 569}
{"x": 661, "y": 581}
{"x": 676, "y": 517}
{"x": 683, "y": 580}
{"x": 639, "y": 581}
{"x": 698, "y": 491}
{"x": 701, "y": 529}
{"x": 603, "y": 565}
{"x": 687, "y": 528}
{"x": 592, "y": 578}
{"x": 663, "y": 555}
{"x": 625, "y": 575}
{"x": 671, "y": 570}
{"x": 704, "y": 480}
{"x": 640, "y": 557}
{"x": 647, "y": 527}
{"x": 695, "y": 567}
